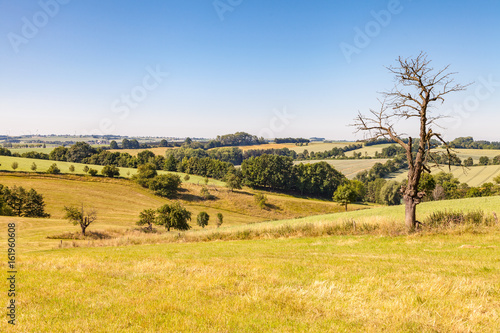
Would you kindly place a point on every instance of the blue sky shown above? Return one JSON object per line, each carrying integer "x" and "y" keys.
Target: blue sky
{"x": 201, "y": 68}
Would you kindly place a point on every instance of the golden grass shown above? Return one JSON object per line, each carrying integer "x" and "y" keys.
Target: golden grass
{"x": 424, "y": 283}
{"x": 350, "y": 168}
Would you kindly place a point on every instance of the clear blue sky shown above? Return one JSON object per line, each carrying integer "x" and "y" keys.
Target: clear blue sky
{"x": 274, "y": 68}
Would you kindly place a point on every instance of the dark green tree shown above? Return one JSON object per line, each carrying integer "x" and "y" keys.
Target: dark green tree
{"x": 93, "y": 172}
{"x": 170, "y": 163}
{"x": 173, "y": 216}
{"x": 484, "y": 160}
{"x": 165, "y": 185}
{"x": 110, "y": 171}
{"x": 233, "y": 181}
{"x": 79, "y": 152}
{"x": 202, "y": 219}
{"x": 220, "y": 219}
{"x": 468, "y": 162}
{"x": 145, "y": 156}
{"x": 53, "y": 169}
{"x": 147, "y": 217}
{"x": 390, "y": 194}
{"x": 345, "y": 194}
{"x": 59, "y": 154}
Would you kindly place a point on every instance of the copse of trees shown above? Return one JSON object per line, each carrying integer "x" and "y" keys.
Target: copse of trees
{"x": 268, "y": 171}
{"x": 205, "y": 167}
{"x": 469, "y": 143}
{"x": 18, "y": 201}
{"x": 278, "y": 173}
{"x": 236, "y": 139}
{"x": 162, "y": 185}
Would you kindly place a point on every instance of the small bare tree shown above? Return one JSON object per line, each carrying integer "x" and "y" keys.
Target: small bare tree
{"x": 417, "y": 89}
{"x": 80, "y": 216}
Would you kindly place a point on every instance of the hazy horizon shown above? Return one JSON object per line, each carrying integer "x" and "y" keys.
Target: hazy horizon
{"x": 207, "y": 68}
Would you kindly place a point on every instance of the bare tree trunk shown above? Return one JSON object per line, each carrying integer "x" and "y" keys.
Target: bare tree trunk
{"x": 83, "y": 229}
{"x": 410, "y": 210}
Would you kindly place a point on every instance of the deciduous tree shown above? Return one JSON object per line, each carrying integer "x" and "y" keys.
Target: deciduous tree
{"x": 202, "y": 219}
{"x": 80, "y": 216}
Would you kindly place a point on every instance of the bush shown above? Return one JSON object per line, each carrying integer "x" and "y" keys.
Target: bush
{"x": 165, "y": 185}
{"x": 448, "y": 218}
{"x": 205, "y": 193}
{"x": 53, "y": 169}
{"x": 14, "y": 165}
{"x": 110, "y": 171}
{"x": 261, "y": 200}
{"x": 202, "y": 219}
{"x": 186, "y": 177}
{"x": 220, "y": 219}
{"x": 92, "y": 172}
{"x": 72, "y": 168}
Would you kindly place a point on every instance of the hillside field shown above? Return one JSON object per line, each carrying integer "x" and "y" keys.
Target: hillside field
{"x": 24, "y": 165}
{"x": 350, "y": 168}
{"x": 473, "y": 176}
{"x": 363, "y": 283}
{"x": 119, "y": 201}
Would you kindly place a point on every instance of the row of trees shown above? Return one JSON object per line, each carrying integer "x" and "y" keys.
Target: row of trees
{"x": 300, "y": 141}
{"x": 173, "y": 216}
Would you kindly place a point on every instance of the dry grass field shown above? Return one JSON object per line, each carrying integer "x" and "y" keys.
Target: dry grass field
{"x": 425, "y": 282}
{"x": 350, "y": 168}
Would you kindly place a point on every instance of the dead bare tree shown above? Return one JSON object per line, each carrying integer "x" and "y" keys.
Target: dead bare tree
{"x": 417, "y": 89}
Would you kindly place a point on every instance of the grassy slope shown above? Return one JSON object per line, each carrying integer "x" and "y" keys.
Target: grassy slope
{"x": 119, "y": 201}
{"x": 24, "y": 165}
{"x": 350, "y": 168}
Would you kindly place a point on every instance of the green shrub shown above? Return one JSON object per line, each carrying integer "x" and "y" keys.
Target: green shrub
{"x": 448, "y": 218}
{"x": 53, "y": 169}
{"x": 261, "y": 200}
